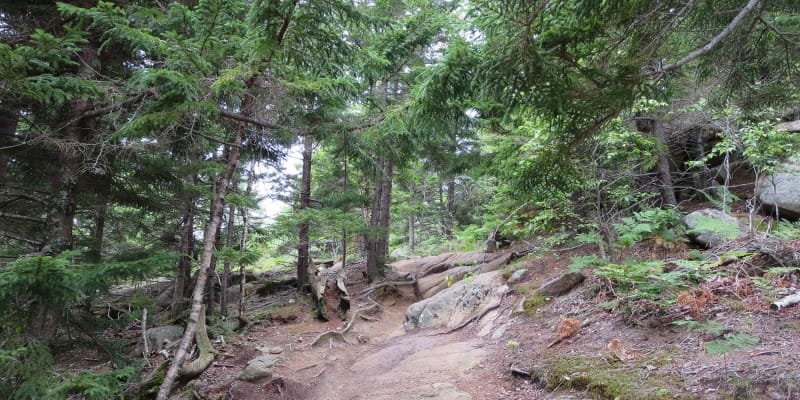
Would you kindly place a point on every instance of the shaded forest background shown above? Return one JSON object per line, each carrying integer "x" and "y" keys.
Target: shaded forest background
{"x": 134, "y": 136}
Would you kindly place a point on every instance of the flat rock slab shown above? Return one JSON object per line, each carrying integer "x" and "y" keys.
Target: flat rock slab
{"x": 423, "y": 363}
{"x": 562, "y": 284}
{"x": 440, "y": 391}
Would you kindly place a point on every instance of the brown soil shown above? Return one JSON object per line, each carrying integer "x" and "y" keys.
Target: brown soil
{"x": 505, "y": 355}
{"x": 382, "y": 361}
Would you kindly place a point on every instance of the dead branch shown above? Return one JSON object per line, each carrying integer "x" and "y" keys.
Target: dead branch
{"x": 786, "y": 302}
{"x": 714, "y": 41}
{"x": 146, "y": 346}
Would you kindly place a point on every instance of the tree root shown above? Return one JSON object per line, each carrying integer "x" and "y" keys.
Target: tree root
{"x": 206, "y": 357}
{"x": 368, "y": 291}
{"x": 340, "y": 335}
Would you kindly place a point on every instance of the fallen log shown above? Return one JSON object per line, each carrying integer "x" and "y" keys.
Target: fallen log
{"x": 786, "y": 302}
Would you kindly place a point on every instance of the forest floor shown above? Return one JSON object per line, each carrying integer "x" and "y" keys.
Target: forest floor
{"x": 505, "y": 355}
{"x": 636, "y": 354}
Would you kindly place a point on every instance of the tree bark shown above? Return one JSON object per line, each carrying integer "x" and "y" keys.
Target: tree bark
{"x": 664, "y": 173}
{"x": 209, "y": 240}
{"x": 305, "y": 204}
{"x": 210, "y": 298}
{"x": 100, "y": 212}
{"x": 183, "y": 271}
{"x": 450, "y": 208}
{"x": 378, "y": 237}
{"x": 226, "y": 265}
{"x": 412, "y": 240}
{"x": 652, "y": 125}
{"x": 243, "y": 247}
{"x": 344, "y": 230}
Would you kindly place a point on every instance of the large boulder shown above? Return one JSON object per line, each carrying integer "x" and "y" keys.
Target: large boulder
{"x": 163, "y": 336}
{"x": 710, "y": 227}
{"x": 782, "y": 191}
{"x": 454, "y": 306}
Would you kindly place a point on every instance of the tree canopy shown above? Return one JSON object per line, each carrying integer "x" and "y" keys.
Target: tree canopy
{"x": 129, "y": 127}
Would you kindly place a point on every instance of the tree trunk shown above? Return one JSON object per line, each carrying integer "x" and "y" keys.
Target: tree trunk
{"x": 210, "y": 298}
{"x": 386, "y": 209}
{"x": 344, "y": 230}
{"x": 209, "y": 239}
{"x": 450, "y": 209}
{"x": 305, "y": 204}
{"x": 243, "y": 247}
{"x": 183, "y": 271}
{"x": 378, "y": 237}
{"x": 226, "y": 265}
{"x": 61, "y": 212}
{"x": 412, "y": 241}
{"x": 652, "y": 124}
{"x": 664, "y": 173}
{"x": 100, "y": 212}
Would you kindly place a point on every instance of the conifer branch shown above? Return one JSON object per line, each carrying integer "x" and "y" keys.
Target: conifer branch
{"x": 242, "y": 118}
{"x": 713, "y": 42}
{"x": 22, "y": 217}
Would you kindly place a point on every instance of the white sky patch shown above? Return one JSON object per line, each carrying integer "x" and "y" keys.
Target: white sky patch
{"x": 268, "y": 190}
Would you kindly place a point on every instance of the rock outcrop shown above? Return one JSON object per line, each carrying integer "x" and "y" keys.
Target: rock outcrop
{"x": 710, "y": 227}
{"x": 464, "y": 301}
{"x": 781, "y": 191}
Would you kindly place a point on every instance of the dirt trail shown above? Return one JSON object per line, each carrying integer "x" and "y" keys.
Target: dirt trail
{"x": 418, "y": 365}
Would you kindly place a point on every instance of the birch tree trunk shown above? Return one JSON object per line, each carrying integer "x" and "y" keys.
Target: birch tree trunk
{"x": 209, "y": 240}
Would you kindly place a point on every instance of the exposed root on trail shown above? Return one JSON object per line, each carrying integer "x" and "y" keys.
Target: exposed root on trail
{"x": 392, "y": 283}
{"x": 339, "y": 335}
{"x": 206, "y": 357}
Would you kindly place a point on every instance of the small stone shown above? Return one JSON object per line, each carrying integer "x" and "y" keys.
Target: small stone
{"x": 517, "y": 275}
{"x": 276, "y": 350}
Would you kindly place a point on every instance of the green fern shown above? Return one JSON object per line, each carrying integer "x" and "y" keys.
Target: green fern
{"x": 729, "y": 343}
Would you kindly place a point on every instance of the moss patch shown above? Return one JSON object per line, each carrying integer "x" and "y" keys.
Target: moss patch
{"x": 531, "y": 304}
{"x": 607, "y": 378}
